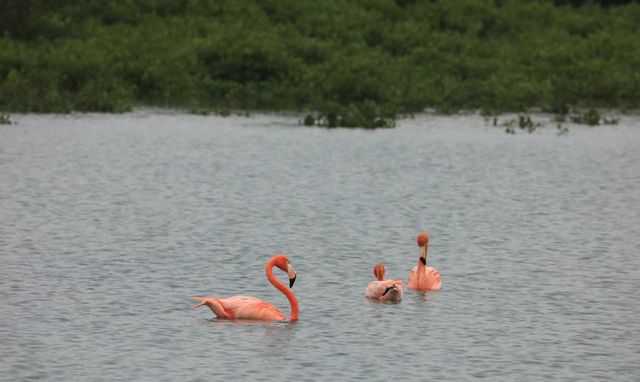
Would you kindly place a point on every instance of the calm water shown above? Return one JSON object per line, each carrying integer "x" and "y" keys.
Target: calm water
{"x": 111, "y": 223}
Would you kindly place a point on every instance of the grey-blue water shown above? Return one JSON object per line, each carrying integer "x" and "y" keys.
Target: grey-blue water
{"x": 111, "y": 223}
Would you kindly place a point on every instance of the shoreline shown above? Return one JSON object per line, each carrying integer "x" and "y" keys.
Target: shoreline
{"x": 511, "y": 122}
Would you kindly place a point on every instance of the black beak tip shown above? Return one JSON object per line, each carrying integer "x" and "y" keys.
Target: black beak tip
{"x": 291, "y": 281}
{"x": 423, "y": 261}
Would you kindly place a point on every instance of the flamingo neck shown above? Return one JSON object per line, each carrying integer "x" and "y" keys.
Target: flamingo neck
{"x": 293, "y": 301}
{"x": 421, "y": 266}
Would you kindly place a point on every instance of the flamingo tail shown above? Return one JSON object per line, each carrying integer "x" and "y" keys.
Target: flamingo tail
{"x": 214, "y": 304}
{"x": 195, "y": 307}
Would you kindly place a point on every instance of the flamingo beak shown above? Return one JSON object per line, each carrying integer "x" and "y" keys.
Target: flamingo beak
{"x": 423, "y": 255}
{"x": 292, "y": 275}
{"x": 392, "y": 287}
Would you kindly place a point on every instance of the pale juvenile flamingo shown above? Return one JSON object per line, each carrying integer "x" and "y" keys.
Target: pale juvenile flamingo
{"x": 423, "y": 277}
{"x": 384, "y": 290}
{"x": 252, "y": 308}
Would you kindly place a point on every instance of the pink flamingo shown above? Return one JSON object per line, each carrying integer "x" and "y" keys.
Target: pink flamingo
{"x": 423, "y": 277}
{"x": 252, "y": 308}
{"x": 384, "y": 290}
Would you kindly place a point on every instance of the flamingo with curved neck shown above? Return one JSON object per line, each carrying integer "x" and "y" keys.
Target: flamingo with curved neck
{"x": 384, "y": 290}
{"x": 252, "y": 308}
{"x": 423, "y": 277}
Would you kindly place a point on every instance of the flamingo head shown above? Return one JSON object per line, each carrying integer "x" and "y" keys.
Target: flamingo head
{"x": 423, "y": 239}
{"x": 283, "y": 264}
{"x": 378, "y": 271}
{"x": 423, "y": 242}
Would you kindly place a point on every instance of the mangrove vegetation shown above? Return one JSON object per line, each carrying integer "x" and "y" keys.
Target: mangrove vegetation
{"x": 339, "y": 62}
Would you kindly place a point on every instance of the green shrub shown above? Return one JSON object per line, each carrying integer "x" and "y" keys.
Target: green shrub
{"x": 354, "y": 63}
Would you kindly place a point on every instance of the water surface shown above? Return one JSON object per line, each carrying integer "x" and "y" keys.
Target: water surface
{"x": 110, "y": 223}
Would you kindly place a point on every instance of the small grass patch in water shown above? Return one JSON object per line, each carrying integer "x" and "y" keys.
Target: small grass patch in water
{"x": 591, "y": 117}
{"x": 562, "y": 130}
{"x": 5, "y": 119}
{"x": 222, "y": 112}
{"x": 523, "y": 121}
{"x": 367, "y": 115}
{"x": 309, "y": 120}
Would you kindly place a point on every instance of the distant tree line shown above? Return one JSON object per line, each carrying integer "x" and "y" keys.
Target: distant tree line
{"x": 343, "y": 63}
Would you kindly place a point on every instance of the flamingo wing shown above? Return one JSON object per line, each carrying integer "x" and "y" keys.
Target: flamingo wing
{"x": 435, "y": 280}
{"x": 374, "y": 289}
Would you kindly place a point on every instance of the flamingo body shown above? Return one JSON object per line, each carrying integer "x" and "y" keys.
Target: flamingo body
{"x": 253, "y": 308}
{"x": 376, "y": 290}
{"x": 427, "y": 278}
{"x": 384, "y": 290}
{"x": 242, "y": 308}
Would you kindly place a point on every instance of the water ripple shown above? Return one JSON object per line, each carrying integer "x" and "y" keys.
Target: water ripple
{"x": 112, "y": 223}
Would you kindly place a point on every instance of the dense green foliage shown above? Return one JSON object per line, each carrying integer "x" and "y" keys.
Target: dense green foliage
{"x": 347, "y": 63}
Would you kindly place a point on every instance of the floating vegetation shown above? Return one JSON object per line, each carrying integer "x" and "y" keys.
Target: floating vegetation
{"x": 591, "y": 117}
{"x": 562, "y": 130}
{"x": 366, "y": 115}
{"x": 509, "y": 129}
{"x": 5, "y": 119}
{"x": 352, "y": 120}
{"x": 223, "y": 112}
{"x": 523, "y": 121}
{"x": 309, "y": 120}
